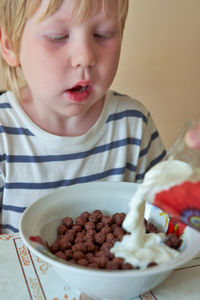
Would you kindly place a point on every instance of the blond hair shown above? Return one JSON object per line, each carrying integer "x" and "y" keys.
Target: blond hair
{"x": 15, "y": 13}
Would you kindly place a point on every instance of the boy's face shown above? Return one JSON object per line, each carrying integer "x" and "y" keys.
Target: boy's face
{"x": 69, "y": 65}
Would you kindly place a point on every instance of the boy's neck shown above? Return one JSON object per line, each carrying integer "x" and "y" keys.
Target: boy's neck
{"x": 58, "y": 124}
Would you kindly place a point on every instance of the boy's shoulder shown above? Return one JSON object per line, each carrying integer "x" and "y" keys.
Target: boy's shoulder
{"x": 8, "y": 103}
{"x": 5, "y": 97}
{"x": 123, "y": 101}
{"x": 2, "y": 92}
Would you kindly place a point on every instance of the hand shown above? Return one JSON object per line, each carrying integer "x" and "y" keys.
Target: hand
{"x": 192, "y": 137}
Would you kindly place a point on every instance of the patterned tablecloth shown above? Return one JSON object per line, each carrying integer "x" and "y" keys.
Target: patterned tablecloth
{"x": 24, "y": 276}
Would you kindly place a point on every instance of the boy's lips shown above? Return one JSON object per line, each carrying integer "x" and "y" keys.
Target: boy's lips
{"x": 79, "y": 92}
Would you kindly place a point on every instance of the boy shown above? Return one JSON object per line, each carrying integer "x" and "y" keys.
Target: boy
{"x": 64, "y": 126}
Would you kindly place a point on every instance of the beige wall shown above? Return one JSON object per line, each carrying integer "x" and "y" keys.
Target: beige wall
{"x": 160, "y": 61}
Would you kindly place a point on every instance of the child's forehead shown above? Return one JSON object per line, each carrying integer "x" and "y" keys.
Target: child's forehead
{"x": 77, "y": 9}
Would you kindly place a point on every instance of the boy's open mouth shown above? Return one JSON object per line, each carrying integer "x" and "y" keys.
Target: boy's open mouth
{"x": 79, "y": 92}
{"x": 79, "y": 89}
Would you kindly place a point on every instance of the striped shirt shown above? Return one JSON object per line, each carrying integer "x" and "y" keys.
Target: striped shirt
{"x": 121, "y": 146}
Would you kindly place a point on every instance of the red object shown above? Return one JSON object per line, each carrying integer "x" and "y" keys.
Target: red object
{"x": 176, "y": 227}
{"x": 37, "y": 239}
{"x": 182, "y": 203}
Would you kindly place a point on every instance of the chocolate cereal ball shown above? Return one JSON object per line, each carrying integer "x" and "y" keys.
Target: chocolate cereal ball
{"x": 87, "y": 240}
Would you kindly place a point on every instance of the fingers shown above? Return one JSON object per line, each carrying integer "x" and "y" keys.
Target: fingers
{"x": 192, "y": 137}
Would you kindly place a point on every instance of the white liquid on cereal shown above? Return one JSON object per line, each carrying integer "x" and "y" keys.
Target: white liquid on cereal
{"x": 139, "y": 248}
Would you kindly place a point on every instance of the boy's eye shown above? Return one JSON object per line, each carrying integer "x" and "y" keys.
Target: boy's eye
{"x": 103, "y": 36}
{"x": 58, "y": 38}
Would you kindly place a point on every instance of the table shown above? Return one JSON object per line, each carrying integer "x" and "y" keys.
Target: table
{"x": 24, "y": 276}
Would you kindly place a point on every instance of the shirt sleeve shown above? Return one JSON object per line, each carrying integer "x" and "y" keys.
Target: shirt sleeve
{"x": 1, "y": 194}
{"x": 152, "y": 149}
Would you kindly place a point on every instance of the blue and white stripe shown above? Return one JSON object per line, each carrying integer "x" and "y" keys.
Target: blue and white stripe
{"x": 121, "y": 146}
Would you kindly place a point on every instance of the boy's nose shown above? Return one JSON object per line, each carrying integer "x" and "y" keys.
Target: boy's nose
{"x": 84, "y": 56}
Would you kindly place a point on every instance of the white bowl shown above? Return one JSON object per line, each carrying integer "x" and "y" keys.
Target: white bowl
{"x": 44, "y": 216}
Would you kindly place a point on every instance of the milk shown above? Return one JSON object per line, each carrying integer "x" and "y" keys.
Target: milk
{"x": 139, "y": 248}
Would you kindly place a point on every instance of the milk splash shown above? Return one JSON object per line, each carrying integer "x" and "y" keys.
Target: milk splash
{"x": 140, "y": 248}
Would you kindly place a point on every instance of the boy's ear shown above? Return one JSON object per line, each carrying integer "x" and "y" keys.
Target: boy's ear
{"x": 6, "y": 50}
